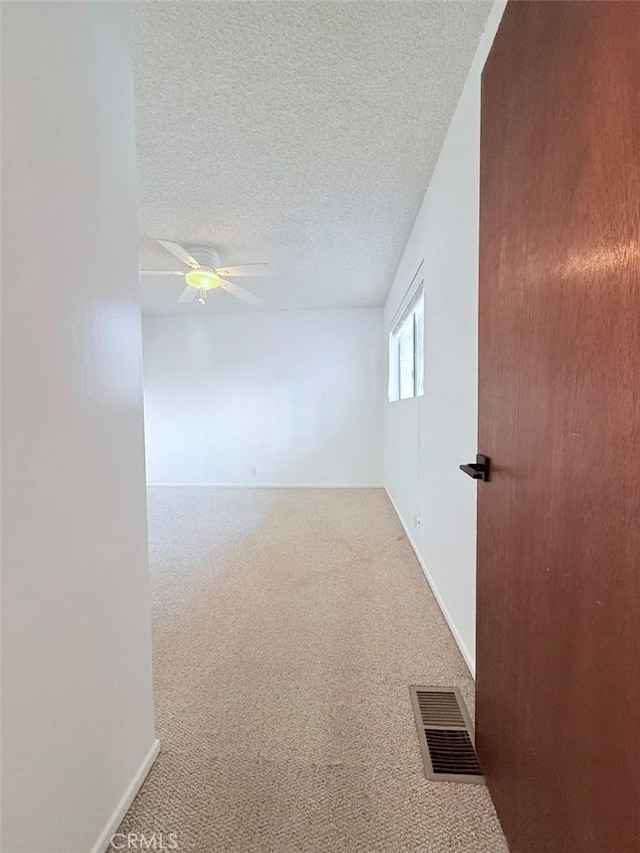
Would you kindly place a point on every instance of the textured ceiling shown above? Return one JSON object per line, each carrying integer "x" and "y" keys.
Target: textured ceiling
{"x": 298, "y": 133}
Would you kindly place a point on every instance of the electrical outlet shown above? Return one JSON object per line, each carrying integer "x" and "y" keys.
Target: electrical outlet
{"x": 253, "y": 470}
{"x": 417, "y": 519}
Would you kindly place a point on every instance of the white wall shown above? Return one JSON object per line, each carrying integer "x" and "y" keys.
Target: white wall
{"x": 76, "y": 651}
{"x": 297, "y": 395}
{"x": 427, "y": 438}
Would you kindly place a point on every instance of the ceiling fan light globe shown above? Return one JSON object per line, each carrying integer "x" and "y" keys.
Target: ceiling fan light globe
{"x": 202, "y": 279}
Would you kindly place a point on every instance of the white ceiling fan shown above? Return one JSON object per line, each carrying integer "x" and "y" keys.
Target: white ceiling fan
{"x": 205, "y": 273}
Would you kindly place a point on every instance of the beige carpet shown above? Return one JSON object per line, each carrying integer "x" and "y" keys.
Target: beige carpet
{"x": 288, "y": 624}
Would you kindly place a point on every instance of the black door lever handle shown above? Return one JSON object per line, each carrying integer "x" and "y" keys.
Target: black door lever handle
{"x": 479, "y": 469}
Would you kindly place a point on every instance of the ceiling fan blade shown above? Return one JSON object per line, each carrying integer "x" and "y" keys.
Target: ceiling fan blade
{"x": 246, "y": 269}
{"x": 161, "y": 272}
{"x": 188, "y": 294}
{"x": 240, "y": 292}
{"x": 180, "y": 253}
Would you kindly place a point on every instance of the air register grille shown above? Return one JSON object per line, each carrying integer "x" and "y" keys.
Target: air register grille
{"x": 446, "y": 735}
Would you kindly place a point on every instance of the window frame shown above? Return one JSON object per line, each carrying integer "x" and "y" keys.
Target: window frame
{"x": 411, "y": 306}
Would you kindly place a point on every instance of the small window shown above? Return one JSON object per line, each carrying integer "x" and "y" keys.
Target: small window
{"x": 406, "y": 350}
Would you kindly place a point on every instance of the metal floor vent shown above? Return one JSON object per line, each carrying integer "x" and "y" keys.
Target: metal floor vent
{"x": 446, "y": 735}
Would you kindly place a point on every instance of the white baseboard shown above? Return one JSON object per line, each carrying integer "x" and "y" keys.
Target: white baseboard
{"x": 468, "y": 659}
{"x": 266, "y": 485}
{"x": 111, "y": 827}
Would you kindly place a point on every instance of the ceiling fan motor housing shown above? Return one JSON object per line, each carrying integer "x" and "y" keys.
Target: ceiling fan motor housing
{"x": 205, "y": 256}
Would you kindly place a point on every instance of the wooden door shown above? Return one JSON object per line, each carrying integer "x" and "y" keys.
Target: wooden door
{"x": 558, "y": 651}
